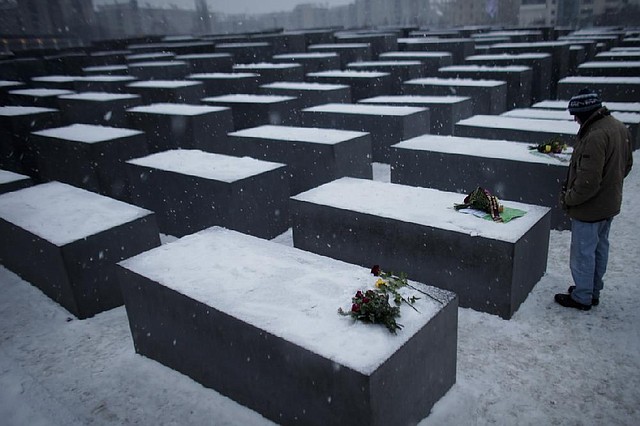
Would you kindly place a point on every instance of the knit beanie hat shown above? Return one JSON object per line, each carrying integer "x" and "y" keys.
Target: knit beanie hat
{"x": 584, "y": 101}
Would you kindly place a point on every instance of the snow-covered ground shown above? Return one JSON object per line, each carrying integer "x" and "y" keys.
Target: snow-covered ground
{"x": 547, "y": 365}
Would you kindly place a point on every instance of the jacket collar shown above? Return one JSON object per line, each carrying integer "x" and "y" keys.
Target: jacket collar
{"x": 597, "y": 115}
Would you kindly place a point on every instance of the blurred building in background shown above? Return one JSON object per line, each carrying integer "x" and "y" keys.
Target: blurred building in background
{"x": 53, "y": 21}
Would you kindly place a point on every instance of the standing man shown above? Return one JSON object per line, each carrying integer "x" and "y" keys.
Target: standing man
{"x": 592, "y": 195}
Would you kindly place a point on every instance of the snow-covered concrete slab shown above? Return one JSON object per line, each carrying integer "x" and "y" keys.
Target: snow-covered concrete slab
{"x": 191, "y": 190}
{"x": 387, "y": 124}
{"x": 258, "y": 322}
{"x": 313, "y": 155}
{"x": 66, "y": 241}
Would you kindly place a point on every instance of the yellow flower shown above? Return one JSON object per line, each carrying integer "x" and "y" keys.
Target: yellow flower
{"x": 547, "y": 148}
{"x": 380, "y": 283}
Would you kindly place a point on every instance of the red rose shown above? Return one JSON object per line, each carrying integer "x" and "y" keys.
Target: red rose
{"x": 375, "y": 270}
{"x": 355, "y": 308}
{"x": 359, "y": 294}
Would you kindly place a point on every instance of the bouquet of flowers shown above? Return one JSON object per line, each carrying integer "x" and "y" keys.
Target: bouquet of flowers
{"x": 481, "y": 199}
{"x": 552, "y": 146}
{"x": 373, "y": 305}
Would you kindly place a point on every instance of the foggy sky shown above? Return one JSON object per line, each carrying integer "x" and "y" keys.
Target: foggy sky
{"x": 236, "y": 6}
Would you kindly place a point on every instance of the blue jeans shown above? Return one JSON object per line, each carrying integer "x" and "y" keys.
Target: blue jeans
{"x": 588, "y": 258}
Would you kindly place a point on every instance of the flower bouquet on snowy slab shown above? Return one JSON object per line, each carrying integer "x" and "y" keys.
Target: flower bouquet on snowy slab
{"x": 481, "y": 203}
{"x": 554, "y": 147}
{"x": 373, "y": 305}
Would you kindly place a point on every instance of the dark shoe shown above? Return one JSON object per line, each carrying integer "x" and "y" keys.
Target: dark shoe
{"x": 594, "y": 301}
{"x": 566, "y": 301}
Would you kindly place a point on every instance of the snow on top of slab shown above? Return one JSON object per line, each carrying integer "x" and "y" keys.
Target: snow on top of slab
{"x": 618, "y": 54}
{"x": 100, "y": 96}
{"x": 110, "y": 53}
{"x": 6, "y": 176}
{"x": 434, "y": 81}
{"x": 512, "y": 33}
{"x": 56, "y": 78}
{"x": 299, "y": 134}
{"x": 150, "y": 55}
{"x": 167, "y": 84}
{"x": 41, "y": 92}
{"x": 222, "y": 75}
{"x": 558, "y": 114}
{"x": 10, "y": 83}
{"x": 193, "y": 162}
{"x": 613, "y": 106}
{"x": 204, "y": 56}
{"x": 106, "y": 68}
{"x": 61, "y": 213}
{"x": 176, "y": 109}
{"x": 295, "y": 85}
{"x": 365, "y": 109}
{"x": 600, "y": 80}
{"x": 433, "y": 40}
{"x": 265, "y": 65}
{"x": 348, "y": 73}
{"x": 414, "y": 54}
{"x": 106, "y": 78}
{"x": 341, "y": 36}
{"x": 14, "y": 111}
{"x": 610, "y": 64}
{"x": 423, "y": 206}
{"x": 339, "y": 46}
{"x": 365, "y": 64}
{"x": 417, "y": 99}
{"x": 249, "y": 98}
{"x": 508, "y": 56}
{"x": 87, "y": 133}
{"x": 158, "y": 64}
{"x": 310, "y": 55}
{"x": 546, "y": 114}
{"x": 242, "y": 45}
{"x": 487, "y": 148}
{"x": 526, "y": 124}
{"x": 289, "y": 293}
{"x": 532, "y": 44}
{"x": 487, "y": 68}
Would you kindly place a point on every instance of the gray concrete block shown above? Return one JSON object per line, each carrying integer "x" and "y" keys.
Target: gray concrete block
{"x": 88, "y": 156}
{"x": 364, "y": 84}
{"x": 526, "y": 130}
{"x": 167, "y": 91}
{"x": 518, "y": 79}
{"x": 66, "y": 242}
{"x": 349, "y": 52}
{"x": 181, "y": 126}
{"x": 106, "y": 109}
{"x": 217, "y": 84}
{"x": 540, "y": 64}
{"x": 312, "y": 61}
{"x": 487, "y": 96}
{"x": 444, "y": 111}
{"x": 386, "y": 124}
{"x": 252, "y": 342}
{"x": 257, "y": 110}
{"x": 310, "y": 94}
{"x": 611, "y": 89}
{"x": 190, "y": 190}
{"x": 16, "y": 124}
